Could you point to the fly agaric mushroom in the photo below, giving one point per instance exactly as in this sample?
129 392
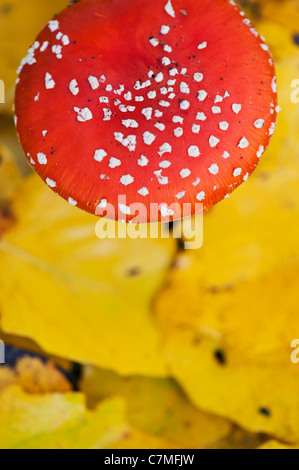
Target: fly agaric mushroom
172 101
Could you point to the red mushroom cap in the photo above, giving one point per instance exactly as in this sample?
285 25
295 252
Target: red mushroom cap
165 102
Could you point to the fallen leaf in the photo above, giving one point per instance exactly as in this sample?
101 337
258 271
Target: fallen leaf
25 346
229 311
58 421
76 296
275 445
7 377
10 176
34 376
157 408
20 22
239 439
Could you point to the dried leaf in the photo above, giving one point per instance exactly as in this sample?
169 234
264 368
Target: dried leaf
36 377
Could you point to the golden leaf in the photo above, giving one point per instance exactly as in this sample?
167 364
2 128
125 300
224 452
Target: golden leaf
157 408
58 421
275 445
7 377
10 177
20 22
79 297
230 310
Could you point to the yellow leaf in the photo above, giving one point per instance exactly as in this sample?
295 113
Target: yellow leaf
275 445
7 377
230 310
58 421
156 408
9 180
136 439
76 296
230 313
14 159
277 23
20 22
239 439
9 174
28 345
